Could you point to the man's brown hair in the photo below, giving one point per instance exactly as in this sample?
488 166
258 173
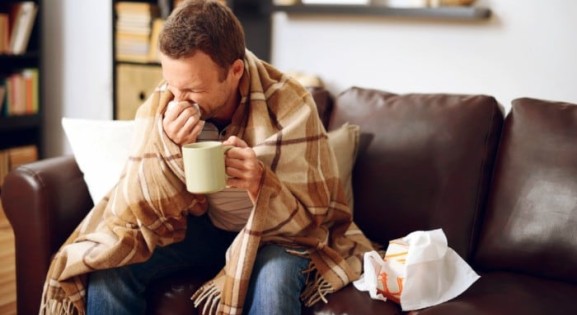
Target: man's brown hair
206 25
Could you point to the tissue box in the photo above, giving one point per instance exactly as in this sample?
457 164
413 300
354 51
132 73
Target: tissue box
417 271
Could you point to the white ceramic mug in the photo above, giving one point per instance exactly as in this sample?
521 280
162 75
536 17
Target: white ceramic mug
204 167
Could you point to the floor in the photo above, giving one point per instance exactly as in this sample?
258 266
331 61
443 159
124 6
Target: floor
7 268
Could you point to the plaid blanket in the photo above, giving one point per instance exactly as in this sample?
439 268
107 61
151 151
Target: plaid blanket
301 204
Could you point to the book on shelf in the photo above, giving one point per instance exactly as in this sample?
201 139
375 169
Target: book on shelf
4 33
21 93
135 7
30 78
132 28
23 16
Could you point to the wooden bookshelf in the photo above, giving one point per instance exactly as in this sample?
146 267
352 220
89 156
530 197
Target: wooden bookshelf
126 65
23 127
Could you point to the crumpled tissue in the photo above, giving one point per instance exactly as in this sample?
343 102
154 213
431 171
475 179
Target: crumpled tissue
418 271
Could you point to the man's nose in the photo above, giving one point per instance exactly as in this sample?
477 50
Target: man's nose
178 96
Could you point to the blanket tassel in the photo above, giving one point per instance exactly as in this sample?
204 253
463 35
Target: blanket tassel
209 295
55 307
315 290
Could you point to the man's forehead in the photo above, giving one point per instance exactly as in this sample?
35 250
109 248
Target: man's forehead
183 77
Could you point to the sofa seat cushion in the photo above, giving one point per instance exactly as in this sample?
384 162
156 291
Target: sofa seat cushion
351 301
498 293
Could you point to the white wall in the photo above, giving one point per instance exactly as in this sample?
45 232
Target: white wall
528 48
77 65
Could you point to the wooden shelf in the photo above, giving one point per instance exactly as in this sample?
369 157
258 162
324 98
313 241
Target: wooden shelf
11 62
138 63
19 122
27 55
18 131
23 130
447 12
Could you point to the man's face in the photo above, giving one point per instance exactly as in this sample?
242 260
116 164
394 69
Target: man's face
198 79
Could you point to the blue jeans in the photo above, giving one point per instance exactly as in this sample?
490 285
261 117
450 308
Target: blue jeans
275 285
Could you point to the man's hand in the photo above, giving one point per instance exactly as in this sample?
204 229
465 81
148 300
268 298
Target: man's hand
182 122
243 167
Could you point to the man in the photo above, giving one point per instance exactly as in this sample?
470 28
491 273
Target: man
283 220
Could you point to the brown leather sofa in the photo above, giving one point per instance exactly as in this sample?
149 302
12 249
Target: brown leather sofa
503 189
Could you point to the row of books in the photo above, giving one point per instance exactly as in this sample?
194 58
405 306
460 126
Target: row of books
16 27
13 157
134 28
19 93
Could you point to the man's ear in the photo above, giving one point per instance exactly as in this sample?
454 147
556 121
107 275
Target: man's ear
237 69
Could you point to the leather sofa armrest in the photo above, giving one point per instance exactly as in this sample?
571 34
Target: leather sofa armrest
44 201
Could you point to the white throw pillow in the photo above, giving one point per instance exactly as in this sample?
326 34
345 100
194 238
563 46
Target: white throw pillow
345 143
101 148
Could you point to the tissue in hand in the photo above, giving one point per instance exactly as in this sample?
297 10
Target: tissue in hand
170 106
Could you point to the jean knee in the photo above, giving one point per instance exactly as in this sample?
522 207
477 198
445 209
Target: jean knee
277 282
274 263
115 291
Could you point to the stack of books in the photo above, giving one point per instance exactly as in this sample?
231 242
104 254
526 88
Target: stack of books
16 27
19 93
133 30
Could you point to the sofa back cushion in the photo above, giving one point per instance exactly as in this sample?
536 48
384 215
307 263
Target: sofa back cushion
531 219
424 161
324 102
